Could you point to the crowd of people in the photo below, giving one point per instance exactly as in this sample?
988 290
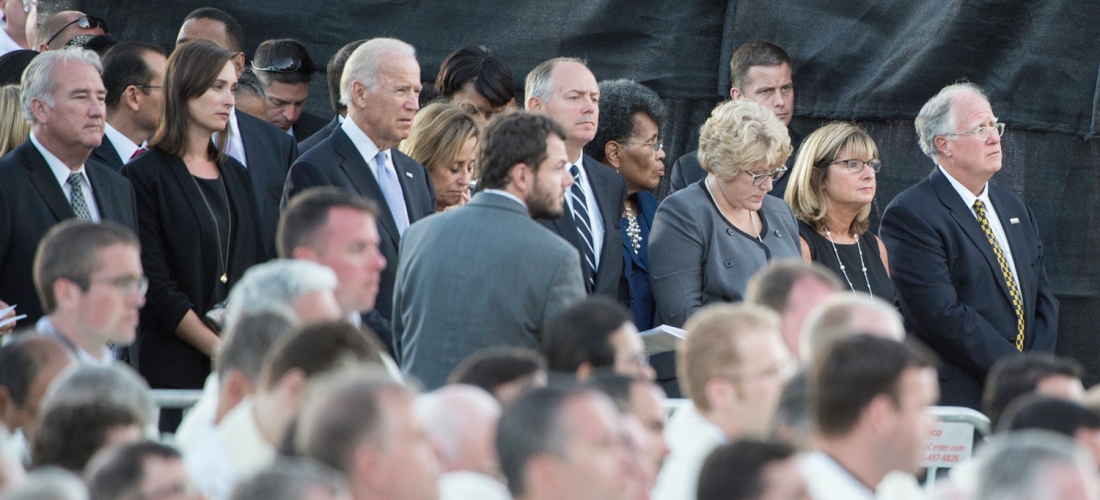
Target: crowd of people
463 289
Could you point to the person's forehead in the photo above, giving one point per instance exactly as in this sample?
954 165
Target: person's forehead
210 30
78 74
759 76
570 76
970 108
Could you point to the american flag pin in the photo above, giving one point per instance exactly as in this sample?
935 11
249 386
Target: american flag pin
410 174
1014 220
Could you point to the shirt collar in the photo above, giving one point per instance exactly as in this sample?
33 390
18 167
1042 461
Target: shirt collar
290 131
838 471
45 325
967 196
58 167
362 142
125 147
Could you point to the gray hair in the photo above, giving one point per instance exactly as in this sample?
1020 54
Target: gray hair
251 339
451 412
1015 465
290 479
840 317
274 286
366 62
49 483
117 383
539 84
937 116
39 81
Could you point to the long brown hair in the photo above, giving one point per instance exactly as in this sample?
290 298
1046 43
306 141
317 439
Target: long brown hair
192 70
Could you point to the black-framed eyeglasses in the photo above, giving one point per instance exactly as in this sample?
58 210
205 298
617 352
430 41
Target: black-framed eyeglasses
855 165
84 22
657 145
774 175
285 65
126 284
28 5
983 131
147 88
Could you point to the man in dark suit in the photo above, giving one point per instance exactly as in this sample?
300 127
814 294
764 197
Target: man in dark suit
965 255
760 71
566 90
361 155
334 71
133 73
285 69
46 180
264 150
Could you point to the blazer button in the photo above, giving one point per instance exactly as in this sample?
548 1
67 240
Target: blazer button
777 235
729 263
729 232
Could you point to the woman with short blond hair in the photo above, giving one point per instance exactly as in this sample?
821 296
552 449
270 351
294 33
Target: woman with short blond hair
831 190
444 139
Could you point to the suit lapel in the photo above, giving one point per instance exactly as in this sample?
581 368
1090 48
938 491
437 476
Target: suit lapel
107 154
407 176
103 192
257 169
45 182
359 173
1016 241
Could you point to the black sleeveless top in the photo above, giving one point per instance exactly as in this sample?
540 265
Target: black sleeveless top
821 251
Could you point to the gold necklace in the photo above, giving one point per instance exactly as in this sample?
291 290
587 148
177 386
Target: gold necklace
222 258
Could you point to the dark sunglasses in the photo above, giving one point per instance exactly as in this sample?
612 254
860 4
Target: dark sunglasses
84 22
285 65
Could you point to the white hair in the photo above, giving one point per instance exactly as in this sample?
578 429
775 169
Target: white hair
839 316
366 62
937 116
272 287
1016 466
39 80
116 382
450 412
539 84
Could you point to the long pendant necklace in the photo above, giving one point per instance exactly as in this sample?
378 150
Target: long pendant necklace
223 259
842 268
633 230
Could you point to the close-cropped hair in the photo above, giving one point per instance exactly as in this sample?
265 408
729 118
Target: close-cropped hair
439 132
772 285
755 53
617 387
620 102
70 250
71 432
335 71
116 382
249 83
21 360
854 371
317 348
124 65
539 82
192 70
39 81
474 65
937 116
14 127
835 318
806 189
492 367
1018 374
710 347
736 471
120 473
308 213
740 136
291 479
365 64
533 425
582 334
512 139
247 344
1018 465
1035 411
271 51
233 31
274 285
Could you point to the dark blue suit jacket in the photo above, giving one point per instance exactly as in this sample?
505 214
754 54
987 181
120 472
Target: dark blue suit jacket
336 162
315 139
951 289
636 267
269 153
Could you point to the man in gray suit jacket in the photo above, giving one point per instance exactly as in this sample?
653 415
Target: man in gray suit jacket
486 274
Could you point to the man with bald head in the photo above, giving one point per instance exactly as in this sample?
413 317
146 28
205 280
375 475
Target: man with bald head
965 255
462 423
70 27
566 90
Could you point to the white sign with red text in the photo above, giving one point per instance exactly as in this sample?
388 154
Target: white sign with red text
948 444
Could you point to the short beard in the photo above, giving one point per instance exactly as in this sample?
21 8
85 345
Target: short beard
543 206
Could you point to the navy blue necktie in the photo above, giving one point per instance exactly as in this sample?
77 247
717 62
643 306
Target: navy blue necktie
583 223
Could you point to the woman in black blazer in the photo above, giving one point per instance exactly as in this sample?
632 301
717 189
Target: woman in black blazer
196 218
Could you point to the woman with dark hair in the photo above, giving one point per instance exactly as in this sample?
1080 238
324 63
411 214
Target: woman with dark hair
196 219
472 74
444 139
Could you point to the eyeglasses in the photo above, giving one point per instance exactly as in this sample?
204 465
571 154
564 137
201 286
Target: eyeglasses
758 179
147 88
84 22
782 370
285 65
657 145
984 131
127 284
855 166
28 5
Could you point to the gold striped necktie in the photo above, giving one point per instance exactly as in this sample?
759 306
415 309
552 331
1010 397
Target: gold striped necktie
1006 271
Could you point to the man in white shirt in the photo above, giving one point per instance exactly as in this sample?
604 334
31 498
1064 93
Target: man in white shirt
869 398
732 365
462 423
133 73
90 279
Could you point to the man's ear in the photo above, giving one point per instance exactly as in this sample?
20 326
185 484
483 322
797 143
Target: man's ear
130 98
359 94
718 391
521 178
534 104
40 110
584 372
735 93
238 62
881 413
941 145
303 252
65 291
292 387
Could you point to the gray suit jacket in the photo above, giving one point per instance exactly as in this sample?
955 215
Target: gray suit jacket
482 275
696 257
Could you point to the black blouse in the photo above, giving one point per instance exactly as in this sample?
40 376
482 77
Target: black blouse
821 251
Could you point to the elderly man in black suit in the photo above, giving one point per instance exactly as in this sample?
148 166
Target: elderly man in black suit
46 180
133 73
566 90
263 149
965 255
380 85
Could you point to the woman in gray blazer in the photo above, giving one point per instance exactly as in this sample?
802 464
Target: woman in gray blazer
708 239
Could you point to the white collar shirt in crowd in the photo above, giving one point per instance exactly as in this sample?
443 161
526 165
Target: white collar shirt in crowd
125 147
106 357
61 172
469 485
968 198
366 147
595 221
691 438
199 420
7 44
235 145
827 480
207 462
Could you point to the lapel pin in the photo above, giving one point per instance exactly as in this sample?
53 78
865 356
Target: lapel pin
410 174
1014 220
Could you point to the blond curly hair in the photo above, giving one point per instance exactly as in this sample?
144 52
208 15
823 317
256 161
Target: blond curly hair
740 136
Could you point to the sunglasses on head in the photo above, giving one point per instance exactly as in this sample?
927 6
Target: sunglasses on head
285 65
84 22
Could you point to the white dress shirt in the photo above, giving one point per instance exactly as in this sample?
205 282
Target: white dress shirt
104 358
61 171
199 420
827 480
991 214
467 485
125 147
234 137
368 150
691 438
595 221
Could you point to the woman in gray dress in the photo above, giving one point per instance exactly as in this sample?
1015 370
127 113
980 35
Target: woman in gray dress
708 239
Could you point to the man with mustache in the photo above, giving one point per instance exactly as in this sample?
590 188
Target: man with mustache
564 89
487 275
